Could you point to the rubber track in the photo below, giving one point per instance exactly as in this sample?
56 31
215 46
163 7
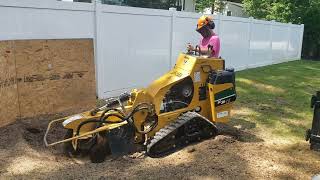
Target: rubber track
181 120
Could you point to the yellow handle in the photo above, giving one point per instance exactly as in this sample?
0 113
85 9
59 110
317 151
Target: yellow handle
103 128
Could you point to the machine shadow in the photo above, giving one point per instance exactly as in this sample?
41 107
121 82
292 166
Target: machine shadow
239 129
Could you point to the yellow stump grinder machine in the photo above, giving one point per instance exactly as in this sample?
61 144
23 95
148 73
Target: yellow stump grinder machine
181 107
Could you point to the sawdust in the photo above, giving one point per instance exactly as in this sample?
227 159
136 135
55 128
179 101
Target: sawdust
234 154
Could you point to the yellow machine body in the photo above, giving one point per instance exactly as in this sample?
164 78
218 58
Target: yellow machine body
197 68
205 96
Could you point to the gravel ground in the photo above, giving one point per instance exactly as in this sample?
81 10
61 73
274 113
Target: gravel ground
238 153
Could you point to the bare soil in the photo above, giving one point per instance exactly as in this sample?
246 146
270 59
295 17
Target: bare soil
239 152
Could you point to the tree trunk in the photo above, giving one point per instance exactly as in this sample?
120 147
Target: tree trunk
212 7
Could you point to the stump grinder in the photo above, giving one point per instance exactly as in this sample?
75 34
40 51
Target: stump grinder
181 107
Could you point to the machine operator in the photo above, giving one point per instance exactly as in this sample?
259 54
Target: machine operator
209 42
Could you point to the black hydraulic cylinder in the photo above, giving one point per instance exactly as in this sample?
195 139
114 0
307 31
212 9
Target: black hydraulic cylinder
313 134
122 98
113 102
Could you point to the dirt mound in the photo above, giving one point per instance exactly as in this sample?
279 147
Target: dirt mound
236 153
33 131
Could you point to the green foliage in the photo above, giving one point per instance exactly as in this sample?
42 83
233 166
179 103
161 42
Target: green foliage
202 4
155 4
279 10
295 11
217 5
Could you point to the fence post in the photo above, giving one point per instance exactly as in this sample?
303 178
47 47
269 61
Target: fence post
97 45
220 31
172 35
219 24
270 37
288 40
301 41
249 39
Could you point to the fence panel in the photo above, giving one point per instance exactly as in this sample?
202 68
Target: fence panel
279 42
133 46
234 39
40 20
135 49
183 32
260 44
294 41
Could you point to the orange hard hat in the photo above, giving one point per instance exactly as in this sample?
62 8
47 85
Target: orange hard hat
204 20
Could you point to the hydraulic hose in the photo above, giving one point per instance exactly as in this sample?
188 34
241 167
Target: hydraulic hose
112 102
99 121
85 122
137 109
129 118
107 110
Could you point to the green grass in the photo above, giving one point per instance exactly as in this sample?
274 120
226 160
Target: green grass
277 97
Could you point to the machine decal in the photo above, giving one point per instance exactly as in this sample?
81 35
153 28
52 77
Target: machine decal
185 60
176 73
224 93
72 118
224 97
41 77
225 100
222 114
197 76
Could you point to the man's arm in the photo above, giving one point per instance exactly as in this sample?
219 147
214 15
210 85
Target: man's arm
207 51
213 49
203 51
215 42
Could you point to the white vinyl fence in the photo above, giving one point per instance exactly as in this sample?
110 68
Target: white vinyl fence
133 46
